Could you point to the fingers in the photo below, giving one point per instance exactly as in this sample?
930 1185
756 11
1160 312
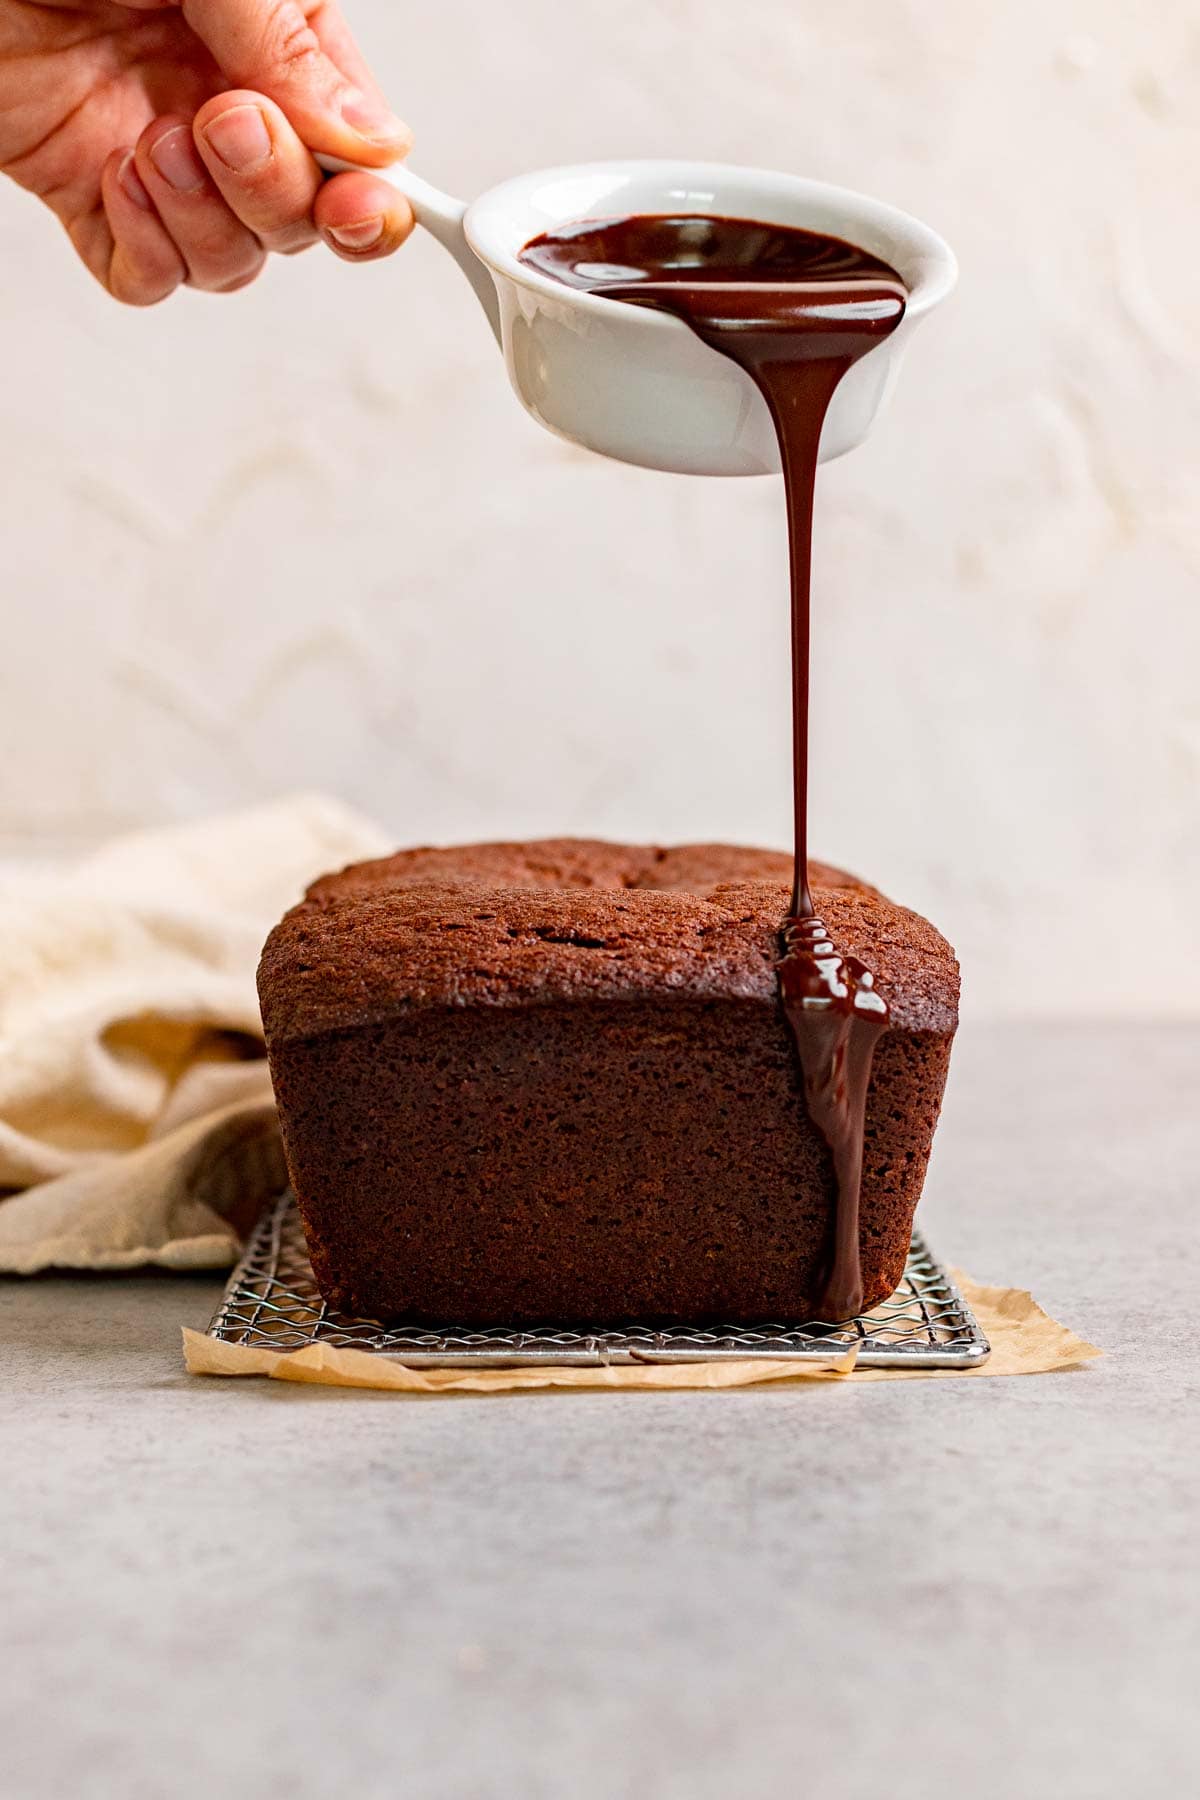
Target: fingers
285 49
220 253
143 265
361 217
270 181
203 204
262 170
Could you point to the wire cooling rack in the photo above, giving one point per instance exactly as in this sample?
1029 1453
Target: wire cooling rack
272 1303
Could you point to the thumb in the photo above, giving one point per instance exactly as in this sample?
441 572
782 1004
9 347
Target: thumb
285 49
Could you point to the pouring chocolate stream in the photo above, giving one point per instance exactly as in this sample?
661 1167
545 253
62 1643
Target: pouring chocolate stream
795 309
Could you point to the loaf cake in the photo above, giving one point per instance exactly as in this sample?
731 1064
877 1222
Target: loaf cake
527 1083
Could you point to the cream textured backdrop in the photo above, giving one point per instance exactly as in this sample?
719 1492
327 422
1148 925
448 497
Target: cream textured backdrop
304 537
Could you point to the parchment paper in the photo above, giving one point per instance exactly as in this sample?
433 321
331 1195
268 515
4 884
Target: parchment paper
1024 1340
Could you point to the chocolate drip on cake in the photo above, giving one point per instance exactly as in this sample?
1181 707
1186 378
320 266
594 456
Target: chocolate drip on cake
796 310
835 1017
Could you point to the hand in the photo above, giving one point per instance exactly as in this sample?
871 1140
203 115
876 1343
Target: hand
173 138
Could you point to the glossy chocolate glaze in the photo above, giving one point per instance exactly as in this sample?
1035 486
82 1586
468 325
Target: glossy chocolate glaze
796 310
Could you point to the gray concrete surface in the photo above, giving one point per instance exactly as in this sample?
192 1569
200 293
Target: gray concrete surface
921 1589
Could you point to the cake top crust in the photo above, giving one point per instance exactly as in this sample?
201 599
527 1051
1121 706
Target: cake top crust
565 920
586 863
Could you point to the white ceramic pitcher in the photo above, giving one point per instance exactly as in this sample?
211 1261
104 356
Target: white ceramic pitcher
638 384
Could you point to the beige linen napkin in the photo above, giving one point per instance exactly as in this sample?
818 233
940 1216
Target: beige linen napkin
136 1119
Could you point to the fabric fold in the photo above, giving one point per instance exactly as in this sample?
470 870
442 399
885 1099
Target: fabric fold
136 1119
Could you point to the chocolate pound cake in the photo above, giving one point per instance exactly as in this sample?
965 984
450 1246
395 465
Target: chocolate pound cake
523 1083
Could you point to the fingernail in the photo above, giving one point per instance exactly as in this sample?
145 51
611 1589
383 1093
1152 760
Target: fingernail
372 119
240 138
133 184
359 236
174 156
